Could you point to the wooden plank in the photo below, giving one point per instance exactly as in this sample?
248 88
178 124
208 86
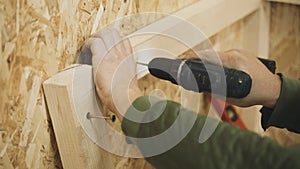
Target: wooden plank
256 31
75 147
207 16
295 2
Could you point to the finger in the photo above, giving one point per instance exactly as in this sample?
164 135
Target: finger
107 36
228 60
93 49
124 42
85 55
98 50
101 32
127 47
238 59
97 47
119 47
112 41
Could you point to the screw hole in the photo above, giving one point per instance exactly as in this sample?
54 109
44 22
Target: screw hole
88 115
113 118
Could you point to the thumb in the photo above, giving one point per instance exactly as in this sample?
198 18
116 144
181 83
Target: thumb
92 52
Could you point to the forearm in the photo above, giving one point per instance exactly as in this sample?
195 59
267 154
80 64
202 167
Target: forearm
272 91
228 147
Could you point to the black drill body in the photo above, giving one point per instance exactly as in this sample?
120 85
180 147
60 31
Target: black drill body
201 76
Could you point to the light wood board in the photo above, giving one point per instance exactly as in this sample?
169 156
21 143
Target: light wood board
196 24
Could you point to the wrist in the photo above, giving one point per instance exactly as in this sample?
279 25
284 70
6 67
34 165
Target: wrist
274 90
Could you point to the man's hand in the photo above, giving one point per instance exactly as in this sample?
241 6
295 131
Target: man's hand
266 86
114 70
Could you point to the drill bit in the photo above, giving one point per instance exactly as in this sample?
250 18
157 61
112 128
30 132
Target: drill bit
142 64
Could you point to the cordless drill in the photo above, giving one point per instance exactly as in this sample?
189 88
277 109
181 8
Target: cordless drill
202 76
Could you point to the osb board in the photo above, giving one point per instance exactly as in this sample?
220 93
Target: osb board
39 38
285 38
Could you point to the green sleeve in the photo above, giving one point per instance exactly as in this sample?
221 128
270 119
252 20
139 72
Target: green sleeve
286 113
228 147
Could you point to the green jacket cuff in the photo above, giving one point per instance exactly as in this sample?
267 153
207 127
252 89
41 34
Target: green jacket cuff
286 112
